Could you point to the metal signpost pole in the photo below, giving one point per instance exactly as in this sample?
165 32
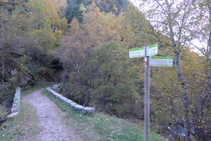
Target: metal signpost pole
146 97
154 61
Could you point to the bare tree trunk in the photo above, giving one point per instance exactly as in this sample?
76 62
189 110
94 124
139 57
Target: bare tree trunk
79 99
2 55
53 26
3 63
89 84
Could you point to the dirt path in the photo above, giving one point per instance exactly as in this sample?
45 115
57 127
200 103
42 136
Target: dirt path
51 120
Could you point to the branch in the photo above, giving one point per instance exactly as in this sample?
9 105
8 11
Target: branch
198 48
162 7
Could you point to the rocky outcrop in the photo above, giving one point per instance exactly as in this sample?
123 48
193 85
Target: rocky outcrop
71 103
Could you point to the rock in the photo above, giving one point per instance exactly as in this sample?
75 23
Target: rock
25 79
12 115
15 71
56 86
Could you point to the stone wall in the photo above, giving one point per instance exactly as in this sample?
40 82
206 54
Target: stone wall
16 104
71 103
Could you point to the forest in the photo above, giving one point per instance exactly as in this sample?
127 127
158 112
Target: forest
84 45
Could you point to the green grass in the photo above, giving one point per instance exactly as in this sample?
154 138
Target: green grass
99 126
16 127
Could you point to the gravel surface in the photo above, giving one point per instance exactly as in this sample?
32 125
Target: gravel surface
51 120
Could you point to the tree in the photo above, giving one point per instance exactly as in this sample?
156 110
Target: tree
40 20
114 89
7 30
176 20
73 10
71 53
50 12
77 46
200 31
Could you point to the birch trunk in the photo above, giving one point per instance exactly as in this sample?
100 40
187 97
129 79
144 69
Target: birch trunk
178 69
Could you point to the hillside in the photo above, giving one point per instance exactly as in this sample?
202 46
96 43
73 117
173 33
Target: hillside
84 45
76 8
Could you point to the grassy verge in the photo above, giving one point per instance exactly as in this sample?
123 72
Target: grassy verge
25 123
18 126
102 127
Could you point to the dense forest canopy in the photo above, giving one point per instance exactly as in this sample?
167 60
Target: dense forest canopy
84 44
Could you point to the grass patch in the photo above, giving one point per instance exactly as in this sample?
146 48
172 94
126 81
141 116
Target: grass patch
27 91
99 126
18 126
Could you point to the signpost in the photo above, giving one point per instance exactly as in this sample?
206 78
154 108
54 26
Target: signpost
136 52
161 61
149 61
140 52
146 96
152 50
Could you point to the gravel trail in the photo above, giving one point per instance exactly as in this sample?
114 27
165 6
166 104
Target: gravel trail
50 120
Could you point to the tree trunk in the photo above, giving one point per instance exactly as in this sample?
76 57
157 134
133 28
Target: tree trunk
178 69
180 76
2 55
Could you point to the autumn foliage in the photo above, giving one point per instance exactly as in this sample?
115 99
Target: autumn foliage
85 45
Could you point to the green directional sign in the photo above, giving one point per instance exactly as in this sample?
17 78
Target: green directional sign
140 52
152 50
149 61
161 61
136 52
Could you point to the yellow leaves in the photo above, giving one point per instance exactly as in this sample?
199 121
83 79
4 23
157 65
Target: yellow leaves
58 34
198 126
82 8
61 24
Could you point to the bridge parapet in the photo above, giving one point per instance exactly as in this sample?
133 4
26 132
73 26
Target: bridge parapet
71 103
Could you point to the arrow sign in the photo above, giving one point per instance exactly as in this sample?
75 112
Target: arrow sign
152 50
136 52
161 61
139 52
